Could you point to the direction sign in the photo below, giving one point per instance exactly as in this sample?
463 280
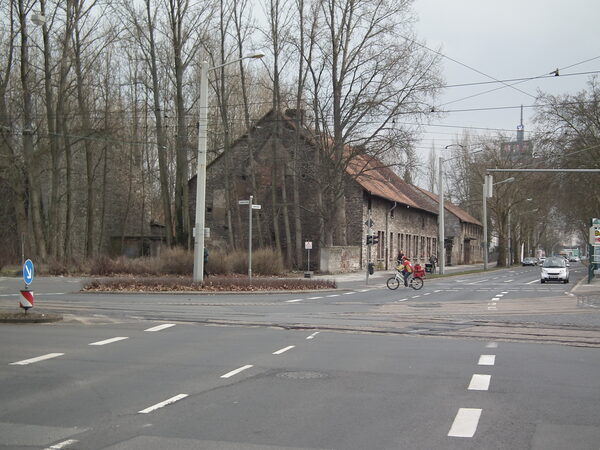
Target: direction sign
256 206
28 272
243 202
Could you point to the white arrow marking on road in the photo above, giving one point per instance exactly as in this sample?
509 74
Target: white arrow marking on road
465 422
283 350
164 326
236 371
109 341
161 404
480 382
487 360
34 360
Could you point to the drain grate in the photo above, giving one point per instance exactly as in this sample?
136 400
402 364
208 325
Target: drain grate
301 375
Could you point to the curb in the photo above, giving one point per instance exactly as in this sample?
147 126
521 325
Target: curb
13 317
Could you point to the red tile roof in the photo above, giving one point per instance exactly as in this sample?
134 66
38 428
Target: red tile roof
462 215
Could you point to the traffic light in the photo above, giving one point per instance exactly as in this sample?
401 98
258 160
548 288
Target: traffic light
372 240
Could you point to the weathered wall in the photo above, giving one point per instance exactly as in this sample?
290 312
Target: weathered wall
340 259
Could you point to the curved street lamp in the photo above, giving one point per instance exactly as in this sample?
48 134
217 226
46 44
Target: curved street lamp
201 169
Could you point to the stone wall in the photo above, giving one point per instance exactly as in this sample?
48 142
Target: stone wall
340 259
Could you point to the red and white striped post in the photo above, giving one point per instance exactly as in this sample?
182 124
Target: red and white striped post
26 299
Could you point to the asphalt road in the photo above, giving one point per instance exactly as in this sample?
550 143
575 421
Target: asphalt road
447 367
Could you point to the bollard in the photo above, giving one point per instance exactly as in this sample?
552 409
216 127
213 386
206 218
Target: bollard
26 300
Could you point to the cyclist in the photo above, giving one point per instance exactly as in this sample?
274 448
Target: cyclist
406 268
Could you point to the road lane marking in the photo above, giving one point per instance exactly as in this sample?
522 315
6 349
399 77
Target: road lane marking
465 422
508 281
236 371
437 290
403 299
294 301
492 345
537 280
62 444
349 293
428 293
495 299
487 360
314 298
312 336
161 404
164 326
499 295
480 281
109 341
504 292
492 308
480 382
283 350
415 296
364 290
333 295
37 359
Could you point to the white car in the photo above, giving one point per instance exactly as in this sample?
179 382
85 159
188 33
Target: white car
555 269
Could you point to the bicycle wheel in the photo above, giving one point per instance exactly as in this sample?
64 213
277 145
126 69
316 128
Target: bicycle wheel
393 283
416 283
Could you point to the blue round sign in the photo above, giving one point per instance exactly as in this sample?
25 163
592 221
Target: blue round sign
28 272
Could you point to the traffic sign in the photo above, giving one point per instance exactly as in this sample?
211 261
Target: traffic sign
256 206
595 234
243 202
28 272
595 221
307 245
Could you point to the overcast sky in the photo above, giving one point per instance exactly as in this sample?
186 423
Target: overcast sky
506 39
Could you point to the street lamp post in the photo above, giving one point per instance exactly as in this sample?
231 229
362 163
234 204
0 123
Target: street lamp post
201 169
441 224
487 193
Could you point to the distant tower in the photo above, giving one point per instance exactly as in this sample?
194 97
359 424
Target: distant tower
520 130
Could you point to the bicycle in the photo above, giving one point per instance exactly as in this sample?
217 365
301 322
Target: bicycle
414 282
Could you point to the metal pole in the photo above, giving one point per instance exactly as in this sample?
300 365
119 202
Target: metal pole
441 236
201 177
485 224
368 246
509 243
250 238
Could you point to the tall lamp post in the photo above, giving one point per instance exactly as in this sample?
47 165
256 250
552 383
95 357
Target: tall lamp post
201 174
487 193
441 231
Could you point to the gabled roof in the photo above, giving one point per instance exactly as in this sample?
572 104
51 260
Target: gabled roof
462 215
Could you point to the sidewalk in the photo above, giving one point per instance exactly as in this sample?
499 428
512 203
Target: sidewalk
380 276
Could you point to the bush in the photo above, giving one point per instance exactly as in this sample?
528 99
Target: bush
266 261
176 261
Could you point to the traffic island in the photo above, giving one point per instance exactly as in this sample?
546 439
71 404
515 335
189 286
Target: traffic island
29 317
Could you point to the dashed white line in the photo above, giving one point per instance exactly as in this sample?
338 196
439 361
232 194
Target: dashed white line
492 345
109 341
537 280
480 281
465 422
283 350
428 293
487 360
415 296
504 292
480 382
403 299
164 326
161 404
294 301
37 359
508 281
314 298
349 293
62 444
333 295
495 299
312 336
437 290
492 308
236 371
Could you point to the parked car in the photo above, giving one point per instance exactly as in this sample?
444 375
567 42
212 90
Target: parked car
541 260
555 268
574 259
530 261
